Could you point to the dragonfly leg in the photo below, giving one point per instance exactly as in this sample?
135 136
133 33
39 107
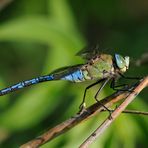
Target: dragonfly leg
115 87
96 96
82 105
134 78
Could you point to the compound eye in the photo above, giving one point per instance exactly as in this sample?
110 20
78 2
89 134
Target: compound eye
120 61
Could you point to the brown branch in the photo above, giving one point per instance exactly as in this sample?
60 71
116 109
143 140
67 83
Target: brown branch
143 60
78 118
4 3
135 112
115 114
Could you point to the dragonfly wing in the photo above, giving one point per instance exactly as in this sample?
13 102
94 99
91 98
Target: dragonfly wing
88 52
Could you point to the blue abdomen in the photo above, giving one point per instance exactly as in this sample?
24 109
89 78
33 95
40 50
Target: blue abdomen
25 84
76 76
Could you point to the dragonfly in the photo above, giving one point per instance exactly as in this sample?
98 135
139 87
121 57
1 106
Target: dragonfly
99 66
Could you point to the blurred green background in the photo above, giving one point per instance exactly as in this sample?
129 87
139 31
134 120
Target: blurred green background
38 36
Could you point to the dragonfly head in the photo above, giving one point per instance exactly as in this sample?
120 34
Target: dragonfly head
122 62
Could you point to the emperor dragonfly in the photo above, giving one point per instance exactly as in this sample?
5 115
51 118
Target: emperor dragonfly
101 67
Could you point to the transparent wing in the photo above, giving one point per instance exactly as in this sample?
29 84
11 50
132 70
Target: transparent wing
88 52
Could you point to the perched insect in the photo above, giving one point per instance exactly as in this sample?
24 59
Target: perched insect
101 67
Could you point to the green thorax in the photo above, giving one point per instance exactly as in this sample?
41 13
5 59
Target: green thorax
99 67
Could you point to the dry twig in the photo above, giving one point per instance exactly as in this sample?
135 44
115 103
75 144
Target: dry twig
143 60
115 114
135 112
4 3
85 115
